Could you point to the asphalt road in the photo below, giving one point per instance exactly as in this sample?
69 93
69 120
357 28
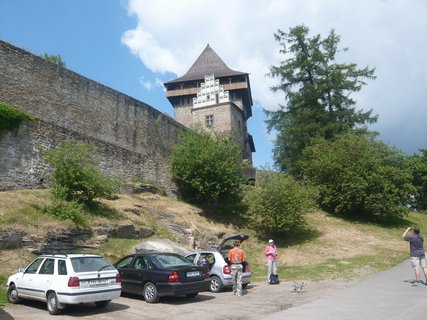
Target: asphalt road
258 299
385 295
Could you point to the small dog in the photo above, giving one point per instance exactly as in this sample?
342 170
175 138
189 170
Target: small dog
297 286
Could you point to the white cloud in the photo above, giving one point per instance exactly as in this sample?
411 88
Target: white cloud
149 85
142 43
388 35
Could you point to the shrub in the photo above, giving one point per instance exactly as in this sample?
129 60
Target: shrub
75 175
64 210
358 176
207 168
54 58
278 204
71 211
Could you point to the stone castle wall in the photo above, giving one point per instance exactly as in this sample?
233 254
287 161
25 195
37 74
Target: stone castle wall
133 139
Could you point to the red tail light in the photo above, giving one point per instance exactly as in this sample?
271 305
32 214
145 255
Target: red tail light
226 269
74 282
118 279
173 277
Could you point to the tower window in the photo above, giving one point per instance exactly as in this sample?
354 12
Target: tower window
209 120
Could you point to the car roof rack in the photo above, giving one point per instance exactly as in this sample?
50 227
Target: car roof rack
54 254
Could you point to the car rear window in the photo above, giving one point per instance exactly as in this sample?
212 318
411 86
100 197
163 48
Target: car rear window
172 260
88 264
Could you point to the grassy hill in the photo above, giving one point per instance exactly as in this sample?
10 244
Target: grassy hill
333 248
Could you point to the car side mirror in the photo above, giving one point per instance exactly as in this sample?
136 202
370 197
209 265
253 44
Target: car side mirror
21 270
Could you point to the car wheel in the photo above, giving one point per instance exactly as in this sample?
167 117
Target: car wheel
244 285
12 294
216 284
52 303
192 295
150 293
102 304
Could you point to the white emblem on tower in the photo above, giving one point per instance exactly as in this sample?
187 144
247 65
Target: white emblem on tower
210 93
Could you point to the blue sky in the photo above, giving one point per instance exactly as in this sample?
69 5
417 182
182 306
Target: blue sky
133 46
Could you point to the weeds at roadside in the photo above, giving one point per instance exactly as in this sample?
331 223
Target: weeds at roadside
3 293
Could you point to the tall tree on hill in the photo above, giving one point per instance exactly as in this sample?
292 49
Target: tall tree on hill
318 95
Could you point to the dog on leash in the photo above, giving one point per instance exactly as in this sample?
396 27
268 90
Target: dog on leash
297 286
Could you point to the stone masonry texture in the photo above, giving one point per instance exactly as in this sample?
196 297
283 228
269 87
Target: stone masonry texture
134 140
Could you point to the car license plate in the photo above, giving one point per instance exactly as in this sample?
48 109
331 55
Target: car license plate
193 274
97 283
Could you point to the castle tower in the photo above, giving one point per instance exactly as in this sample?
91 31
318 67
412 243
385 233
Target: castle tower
216 97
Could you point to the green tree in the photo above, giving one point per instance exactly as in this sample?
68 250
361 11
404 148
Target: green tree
317 93
358 176
278 204
418 166
207 168
75 175
55 58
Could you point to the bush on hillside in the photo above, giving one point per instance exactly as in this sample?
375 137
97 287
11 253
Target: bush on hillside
358 176
71 211
278 204
207 168
75 175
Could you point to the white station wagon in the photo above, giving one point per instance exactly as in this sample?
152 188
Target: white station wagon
59 280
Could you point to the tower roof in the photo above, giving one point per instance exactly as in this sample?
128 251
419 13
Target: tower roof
207 63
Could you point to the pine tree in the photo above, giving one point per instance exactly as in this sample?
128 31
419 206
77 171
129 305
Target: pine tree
318 95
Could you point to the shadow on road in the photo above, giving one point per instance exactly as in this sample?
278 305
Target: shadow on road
4 315
77 310
172 300
412 281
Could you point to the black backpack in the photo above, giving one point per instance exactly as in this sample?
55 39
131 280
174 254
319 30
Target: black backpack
274 279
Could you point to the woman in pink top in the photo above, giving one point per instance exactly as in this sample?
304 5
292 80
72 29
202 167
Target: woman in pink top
271 255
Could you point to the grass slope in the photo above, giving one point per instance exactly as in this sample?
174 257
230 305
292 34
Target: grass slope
333 248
